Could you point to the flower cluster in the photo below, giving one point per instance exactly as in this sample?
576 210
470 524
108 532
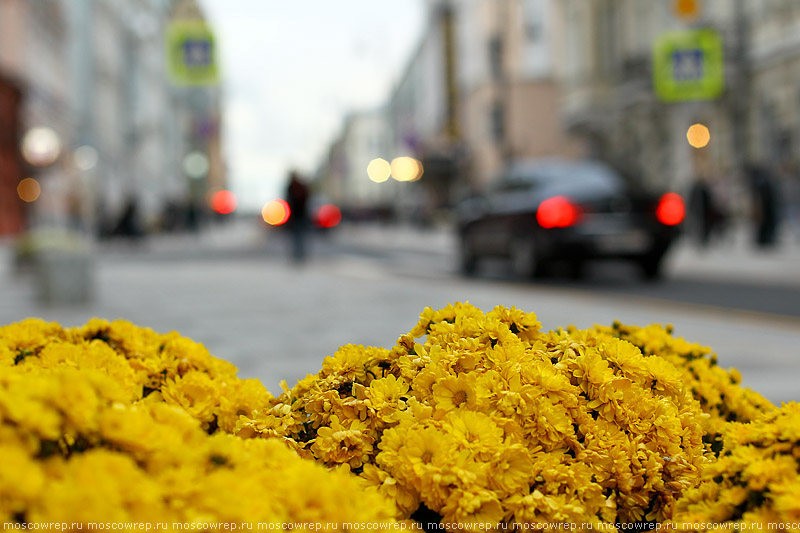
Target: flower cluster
718 390
112 423
484 419
755 484
146 364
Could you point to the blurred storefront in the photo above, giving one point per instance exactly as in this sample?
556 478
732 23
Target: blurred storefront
95 74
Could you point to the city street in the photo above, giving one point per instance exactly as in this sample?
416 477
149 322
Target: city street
234 290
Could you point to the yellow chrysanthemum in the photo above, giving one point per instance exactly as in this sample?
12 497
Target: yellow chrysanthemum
343 443
455 393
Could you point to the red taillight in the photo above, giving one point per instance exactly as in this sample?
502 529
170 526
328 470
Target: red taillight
557 212
671 210
328 216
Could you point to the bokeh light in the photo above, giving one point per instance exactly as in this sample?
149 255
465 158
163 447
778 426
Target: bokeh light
41 146
276 212
686 9
698 135
86 157
406 169
223 202
328 216
379 170
29 190
671 210
195 165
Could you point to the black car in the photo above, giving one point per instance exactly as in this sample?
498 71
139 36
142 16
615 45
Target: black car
542 212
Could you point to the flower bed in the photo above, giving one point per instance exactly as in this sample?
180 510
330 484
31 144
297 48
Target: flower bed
113 423
482 421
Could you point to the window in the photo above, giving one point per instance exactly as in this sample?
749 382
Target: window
498 122
496 57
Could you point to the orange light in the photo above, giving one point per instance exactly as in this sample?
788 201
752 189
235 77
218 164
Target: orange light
223 202
687 9
671 209
276 212
698 135
328 216
557 212
29 190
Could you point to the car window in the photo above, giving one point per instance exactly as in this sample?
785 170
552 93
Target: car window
584 176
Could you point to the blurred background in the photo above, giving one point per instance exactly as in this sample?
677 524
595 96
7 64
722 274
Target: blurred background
146 150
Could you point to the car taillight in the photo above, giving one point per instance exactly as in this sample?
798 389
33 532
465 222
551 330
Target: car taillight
557 212
671 209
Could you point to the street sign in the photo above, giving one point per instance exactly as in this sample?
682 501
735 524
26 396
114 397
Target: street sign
688 65
191 53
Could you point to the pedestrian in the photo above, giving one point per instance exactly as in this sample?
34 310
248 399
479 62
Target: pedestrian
128 225
765 205
297 194
701 211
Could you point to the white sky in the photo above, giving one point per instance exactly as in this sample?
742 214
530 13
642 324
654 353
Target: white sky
292 69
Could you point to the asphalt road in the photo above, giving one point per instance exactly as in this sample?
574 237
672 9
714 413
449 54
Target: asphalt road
680 284
276 320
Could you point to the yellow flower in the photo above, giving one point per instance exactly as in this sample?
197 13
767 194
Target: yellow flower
473 510
195 392
474 431
407 500
349 362
455 393
511 470
343 443
238 398
22 479
524 325
386 397
424 447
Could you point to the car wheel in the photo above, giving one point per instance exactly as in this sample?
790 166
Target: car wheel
468 259
651 266
525 261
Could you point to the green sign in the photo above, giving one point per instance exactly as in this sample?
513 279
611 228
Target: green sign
688 65
191 53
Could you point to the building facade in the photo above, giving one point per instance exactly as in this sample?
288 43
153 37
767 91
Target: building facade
610 100
95 73
480 89
510 99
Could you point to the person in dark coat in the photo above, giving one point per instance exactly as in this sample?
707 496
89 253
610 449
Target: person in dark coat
700 211
297 196
765 205
128 225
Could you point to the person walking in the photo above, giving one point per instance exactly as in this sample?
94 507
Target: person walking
297 196
765 205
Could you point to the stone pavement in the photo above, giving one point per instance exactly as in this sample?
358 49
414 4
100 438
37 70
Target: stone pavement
277 321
